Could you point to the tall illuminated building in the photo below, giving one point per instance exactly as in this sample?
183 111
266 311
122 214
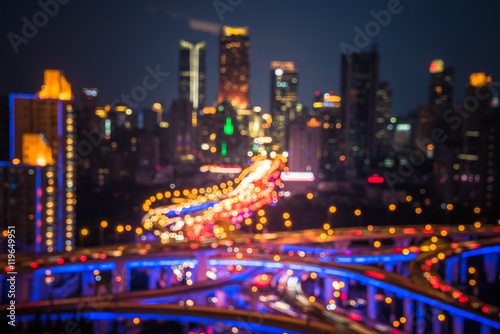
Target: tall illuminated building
444 154
326 109
284 97
441 87
440 98
234 69
184 119
383 124
47 120
192 73
478 160
88 119
359 82
24 201
230 146
304 146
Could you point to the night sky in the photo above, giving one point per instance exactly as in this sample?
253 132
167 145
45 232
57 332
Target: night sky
108 44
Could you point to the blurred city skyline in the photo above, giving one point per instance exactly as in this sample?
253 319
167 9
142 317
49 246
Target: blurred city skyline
108 46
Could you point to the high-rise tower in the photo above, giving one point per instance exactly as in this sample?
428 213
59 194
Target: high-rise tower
234 70
360 72
284 96
192 73
40 124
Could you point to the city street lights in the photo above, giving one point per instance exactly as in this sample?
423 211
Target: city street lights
418 211
138 231
358 213
102 226
288 222
392 208
83 233
261 225
331 210
447 210
119 230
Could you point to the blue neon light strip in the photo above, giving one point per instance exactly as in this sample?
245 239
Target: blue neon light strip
191 208
375 258
38 216
72 268
244 323
481 251
310 250
367 280
161 263
78 268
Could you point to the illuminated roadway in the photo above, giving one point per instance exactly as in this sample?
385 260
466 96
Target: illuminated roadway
188 233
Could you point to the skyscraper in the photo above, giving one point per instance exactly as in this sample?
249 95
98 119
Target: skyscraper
359 82
441 88
304 148
234 69
88 119
284 96
440 98
383 126
25 204
478 157
326 109
192 73
182 134
47 120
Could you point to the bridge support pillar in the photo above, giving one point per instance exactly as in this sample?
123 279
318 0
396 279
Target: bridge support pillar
420 318
485 329
154 277
327 289
221 298
169 274
463 270
120 279
491 267
408 309
389 266
36 286
317 288
345 289
87 282
403 242
451 270
23 282
100 326
436 324
458 325
371 290
201 267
